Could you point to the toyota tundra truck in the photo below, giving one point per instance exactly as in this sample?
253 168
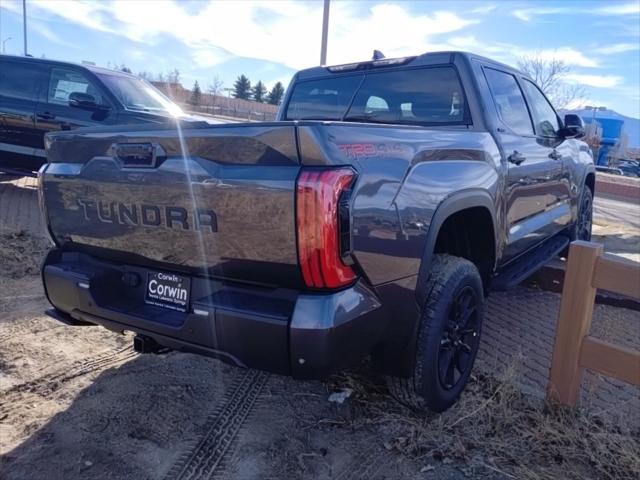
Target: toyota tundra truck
371 219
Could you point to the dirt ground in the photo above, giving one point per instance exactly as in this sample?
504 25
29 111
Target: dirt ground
78 402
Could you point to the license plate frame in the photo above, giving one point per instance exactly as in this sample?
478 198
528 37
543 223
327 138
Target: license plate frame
168 290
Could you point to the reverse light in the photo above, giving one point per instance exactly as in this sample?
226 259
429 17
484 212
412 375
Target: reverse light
318 223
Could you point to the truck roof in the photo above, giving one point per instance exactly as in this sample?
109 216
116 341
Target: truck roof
429 58
87 66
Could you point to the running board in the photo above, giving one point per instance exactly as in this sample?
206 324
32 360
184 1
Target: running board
514 273
17 172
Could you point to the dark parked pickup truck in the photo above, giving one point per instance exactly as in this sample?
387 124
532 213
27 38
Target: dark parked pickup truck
40 95
371 219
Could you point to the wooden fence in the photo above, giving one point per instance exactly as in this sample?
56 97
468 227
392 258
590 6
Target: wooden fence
587 270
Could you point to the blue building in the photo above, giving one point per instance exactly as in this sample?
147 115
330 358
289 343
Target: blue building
611 133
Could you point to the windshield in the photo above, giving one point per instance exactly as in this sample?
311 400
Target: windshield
136 94
428 96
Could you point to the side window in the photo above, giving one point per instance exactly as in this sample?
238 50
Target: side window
376 104
20 80
509 101
545 118
65 81
406 110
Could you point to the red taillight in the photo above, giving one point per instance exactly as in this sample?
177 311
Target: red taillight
317 196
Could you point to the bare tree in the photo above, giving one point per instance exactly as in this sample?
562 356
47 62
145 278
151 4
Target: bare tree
173 76
550 75
215 89
593 137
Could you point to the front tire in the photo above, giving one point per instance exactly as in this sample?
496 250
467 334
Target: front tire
448 336
581 229
584 222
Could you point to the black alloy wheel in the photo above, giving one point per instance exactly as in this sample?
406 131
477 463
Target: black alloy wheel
460 338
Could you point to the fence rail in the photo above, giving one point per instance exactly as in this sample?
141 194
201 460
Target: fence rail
587 270
235 111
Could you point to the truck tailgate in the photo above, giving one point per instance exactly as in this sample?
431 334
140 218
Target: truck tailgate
215 199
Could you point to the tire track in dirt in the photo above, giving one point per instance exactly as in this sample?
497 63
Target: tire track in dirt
221 428
363 467
48 384
25 331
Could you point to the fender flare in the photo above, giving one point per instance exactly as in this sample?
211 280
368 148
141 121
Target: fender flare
590 169
455 203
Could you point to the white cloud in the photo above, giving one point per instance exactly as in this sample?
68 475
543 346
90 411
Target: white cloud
46 32
255 29
568 55
208 57
484 9
616 48
528 14
577 104
613 8
472 44
598 81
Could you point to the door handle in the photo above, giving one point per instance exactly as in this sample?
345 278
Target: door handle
516 158
46 116
555 155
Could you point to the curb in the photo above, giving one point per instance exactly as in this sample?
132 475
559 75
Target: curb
625 187
551 279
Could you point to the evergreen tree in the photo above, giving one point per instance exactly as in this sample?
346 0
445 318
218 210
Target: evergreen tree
196 94
259 91
275 95
242 88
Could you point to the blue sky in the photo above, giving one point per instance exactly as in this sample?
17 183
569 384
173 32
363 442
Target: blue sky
269 40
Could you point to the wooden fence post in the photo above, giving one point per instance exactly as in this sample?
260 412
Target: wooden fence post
574 322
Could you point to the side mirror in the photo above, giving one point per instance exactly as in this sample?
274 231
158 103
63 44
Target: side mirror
573 126
84 101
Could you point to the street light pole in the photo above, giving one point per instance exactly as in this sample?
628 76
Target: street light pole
24 24
325 33
3 42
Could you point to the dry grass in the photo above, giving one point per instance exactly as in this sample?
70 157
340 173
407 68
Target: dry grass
21 254
496 429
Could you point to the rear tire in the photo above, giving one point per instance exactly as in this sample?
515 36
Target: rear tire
448 336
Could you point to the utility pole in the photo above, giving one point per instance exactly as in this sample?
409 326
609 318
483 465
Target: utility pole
325 33
24 24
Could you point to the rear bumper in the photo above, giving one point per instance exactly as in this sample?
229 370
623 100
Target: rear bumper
285 331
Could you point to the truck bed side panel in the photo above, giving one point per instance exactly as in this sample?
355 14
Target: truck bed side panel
404 174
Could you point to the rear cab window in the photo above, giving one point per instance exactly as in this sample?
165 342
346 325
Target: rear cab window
428 96
509 101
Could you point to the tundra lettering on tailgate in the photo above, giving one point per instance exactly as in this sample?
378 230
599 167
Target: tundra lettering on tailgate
200 219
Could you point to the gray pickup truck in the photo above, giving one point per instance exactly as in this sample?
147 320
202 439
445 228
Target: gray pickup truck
371 219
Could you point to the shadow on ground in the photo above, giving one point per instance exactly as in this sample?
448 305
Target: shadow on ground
183 416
